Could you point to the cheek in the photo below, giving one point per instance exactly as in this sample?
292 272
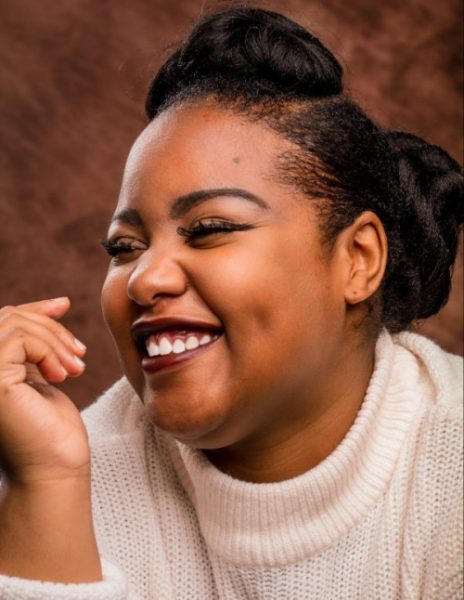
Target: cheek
235 285
265 293
115 303
264 283
116 308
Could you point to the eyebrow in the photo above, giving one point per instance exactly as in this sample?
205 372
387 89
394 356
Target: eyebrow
130 216
182 204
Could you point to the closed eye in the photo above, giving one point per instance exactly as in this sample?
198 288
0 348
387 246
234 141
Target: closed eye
213 226
118 247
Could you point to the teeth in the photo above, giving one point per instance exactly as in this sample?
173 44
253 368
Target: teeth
153 349
165 346
178 347
192 342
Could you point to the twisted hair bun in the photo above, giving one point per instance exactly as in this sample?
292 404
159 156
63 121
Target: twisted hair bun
248 45
432 209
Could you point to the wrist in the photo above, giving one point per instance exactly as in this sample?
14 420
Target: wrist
46 531
31 479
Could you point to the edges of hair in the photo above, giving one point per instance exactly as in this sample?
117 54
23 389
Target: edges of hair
249 52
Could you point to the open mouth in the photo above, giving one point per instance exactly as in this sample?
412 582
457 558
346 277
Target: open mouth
173 345
165 343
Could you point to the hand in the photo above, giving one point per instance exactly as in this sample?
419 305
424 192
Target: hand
42 436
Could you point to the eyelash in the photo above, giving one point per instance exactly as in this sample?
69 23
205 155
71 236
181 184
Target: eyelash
200 229
116 248
213 226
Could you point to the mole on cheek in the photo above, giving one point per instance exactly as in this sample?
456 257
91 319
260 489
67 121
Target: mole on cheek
236 159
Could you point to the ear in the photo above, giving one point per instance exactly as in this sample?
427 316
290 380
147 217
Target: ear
365 249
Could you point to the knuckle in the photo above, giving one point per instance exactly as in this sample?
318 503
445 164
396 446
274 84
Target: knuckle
14 331
6 312
18 332
16 327
9 317
9 376
5 309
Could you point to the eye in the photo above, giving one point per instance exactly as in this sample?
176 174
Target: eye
204 228
122 247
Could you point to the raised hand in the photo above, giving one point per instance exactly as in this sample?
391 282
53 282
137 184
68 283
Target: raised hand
46 523
42 436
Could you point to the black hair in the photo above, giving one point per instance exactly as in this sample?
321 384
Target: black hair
269 68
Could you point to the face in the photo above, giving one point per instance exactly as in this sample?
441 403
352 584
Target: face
272 303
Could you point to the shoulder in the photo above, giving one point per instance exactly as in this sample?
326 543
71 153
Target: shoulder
430 473
437 434
434 382
441 371
116 412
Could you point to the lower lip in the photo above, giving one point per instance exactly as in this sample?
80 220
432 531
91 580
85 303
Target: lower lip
159 363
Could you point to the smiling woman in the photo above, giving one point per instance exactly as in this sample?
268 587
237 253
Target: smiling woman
278 431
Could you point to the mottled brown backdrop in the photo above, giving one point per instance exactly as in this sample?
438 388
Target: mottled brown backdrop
73 76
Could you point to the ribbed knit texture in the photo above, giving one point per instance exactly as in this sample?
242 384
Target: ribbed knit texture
380 518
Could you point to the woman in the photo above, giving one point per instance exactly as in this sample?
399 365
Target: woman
278 432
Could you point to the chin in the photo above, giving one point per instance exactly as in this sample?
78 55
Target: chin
192 421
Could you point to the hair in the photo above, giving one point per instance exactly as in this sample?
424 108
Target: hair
270 69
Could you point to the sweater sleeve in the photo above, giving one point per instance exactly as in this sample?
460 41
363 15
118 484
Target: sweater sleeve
114 586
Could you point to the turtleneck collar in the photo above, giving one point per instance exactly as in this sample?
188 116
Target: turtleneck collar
274 524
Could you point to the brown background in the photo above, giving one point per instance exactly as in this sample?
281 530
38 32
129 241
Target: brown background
73 76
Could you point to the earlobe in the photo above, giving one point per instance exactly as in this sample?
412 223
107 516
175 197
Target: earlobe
366 246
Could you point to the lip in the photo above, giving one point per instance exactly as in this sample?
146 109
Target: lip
160 363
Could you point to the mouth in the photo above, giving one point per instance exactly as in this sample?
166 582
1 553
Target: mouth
174 345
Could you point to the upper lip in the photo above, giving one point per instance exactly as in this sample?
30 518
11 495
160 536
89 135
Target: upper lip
141 329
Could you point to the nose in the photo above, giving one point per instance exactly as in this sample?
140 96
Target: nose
156 275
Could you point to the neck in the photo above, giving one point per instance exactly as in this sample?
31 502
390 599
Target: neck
297 441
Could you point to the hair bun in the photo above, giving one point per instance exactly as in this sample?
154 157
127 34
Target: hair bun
241 44
432 187
429 175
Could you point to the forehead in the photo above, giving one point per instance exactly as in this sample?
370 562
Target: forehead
201 146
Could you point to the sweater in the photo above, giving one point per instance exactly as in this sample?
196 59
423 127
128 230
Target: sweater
379 518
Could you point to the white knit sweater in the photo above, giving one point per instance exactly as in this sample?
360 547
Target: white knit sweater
378 519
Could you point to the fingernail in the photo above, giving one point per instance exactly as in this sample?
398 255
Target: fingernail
79 344
60 300
79 362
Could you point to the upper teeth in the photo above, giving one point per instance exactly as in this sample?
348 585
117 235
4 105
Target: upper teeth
166 347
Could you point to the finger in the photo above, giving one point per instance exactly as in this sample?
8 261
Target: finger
20 326
53 307
19 349
64 334
33 374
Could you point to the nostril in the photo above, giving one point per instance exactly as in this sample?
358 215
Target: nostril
154 278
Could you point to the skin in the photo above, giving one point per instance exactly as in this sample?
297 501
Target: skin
46 524
279 390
